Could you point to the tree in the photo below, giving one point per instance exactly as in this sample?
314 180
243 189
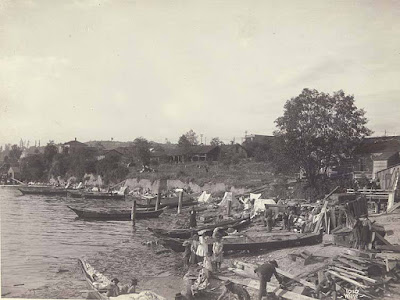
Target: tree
33 167
15 153
49 152
184 142
216 142
142 150
320 130
192 137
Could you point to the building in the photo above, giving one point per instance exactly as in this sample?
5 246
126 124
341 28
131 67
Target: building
192 154
258 138
72 146
375 154
14 172
235 149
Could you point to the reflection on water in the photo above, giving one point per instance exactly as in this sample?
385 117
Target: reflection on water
41 240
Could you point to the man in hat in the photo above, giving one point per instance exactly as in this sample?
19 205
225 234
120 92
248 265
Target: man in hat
265 272
192 219
113 288
235 289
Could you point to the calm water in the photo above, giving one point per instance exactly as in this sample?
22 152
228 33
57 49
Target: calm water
41 240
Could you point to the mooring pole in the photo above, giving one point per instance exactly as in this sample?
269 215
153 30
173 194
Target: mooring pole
158 199
133 213
229 205
180 198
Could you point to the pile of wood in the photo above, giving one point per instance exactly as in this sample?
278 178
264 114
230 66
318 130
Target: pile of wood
359 274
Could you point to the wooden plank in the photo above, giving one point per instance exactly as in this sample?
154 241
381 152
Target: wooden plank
394 248
353 282
323 210
354 270
393 208
355 258
355 275
382 239
271 288
248 271
351 264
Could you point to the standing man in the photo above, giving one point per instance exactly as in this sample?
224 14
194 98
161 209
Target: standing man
193 221
265 272
268 218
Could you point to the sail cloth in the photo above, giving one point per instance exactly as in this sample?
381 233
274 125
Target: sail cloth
259 204
228 196
122 190
204 197
254 196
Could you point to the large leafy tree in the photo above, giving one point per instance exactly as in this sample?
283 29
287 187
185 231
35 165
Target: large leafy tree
142 150
320 130
15 153
216 142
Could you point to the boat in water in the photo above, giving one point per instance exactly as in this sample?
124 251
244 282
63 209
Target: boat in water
170 202
43 190
96 195
115 214
270 241
187 233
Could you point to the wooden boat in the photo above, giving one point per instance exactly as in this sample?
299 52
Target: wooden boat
96 195
187 233
89 271
169 202
115 215
43 190
245 243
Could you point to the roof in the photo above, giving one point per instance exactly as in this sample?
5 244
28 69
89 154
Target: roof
15 169
379 145
193 150
385 156
75 144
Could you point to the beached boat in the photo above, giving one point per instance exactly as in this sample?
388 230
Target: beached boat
114 214
96 195
98 284
170 202
245 243
94 285
43 190
187 233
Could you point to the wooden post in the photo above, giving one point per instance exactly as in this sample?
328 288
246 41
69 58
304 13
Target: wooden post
180 198
229 207
133 212
158 199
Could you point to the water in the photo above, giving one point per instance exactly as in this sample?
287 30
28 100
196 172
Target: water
41 240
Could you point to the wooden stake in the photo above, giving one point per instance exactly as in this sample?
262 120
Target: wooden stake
133 213
158 199
180 198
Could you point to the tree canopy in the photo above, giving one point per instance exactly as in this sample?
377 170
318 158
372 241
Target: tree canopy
216 141
142 150
320 130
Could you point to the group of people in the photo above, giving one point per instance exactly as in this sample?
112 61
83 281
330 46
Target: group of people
113 289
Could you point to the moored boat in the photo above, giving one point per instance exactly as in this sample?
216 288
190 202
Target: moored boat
186 233
96 195
256 243
114 214
170 202
43 190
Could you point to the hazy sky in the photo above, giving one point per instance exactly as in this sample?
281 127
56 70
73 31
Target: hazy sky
122 69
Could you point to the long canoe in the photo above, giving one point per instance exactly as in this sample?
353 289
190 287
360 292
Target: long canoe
187 233
244 243
114 215
96 195
165 202
43 190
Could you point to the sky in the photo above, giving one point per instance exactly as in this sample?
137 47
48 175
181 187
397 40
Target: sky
98 69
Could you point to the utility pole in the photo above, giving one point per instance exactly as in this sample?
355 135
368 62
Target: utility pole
201 138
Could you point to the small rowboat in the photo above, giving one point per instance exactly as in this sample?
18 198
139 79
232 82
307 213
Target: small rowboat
96 195
187 233
245 243
114 215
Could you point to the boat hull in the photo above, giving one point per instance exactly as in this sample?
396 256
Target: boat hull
115 215
94 195
43 191
233 245
187 233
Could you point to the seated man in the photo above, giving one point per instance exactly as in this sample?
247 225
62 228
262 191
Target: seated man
113 288
129 288
235 289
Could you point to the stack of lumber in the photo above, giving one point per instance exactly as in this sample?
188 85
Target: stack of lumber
365 274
